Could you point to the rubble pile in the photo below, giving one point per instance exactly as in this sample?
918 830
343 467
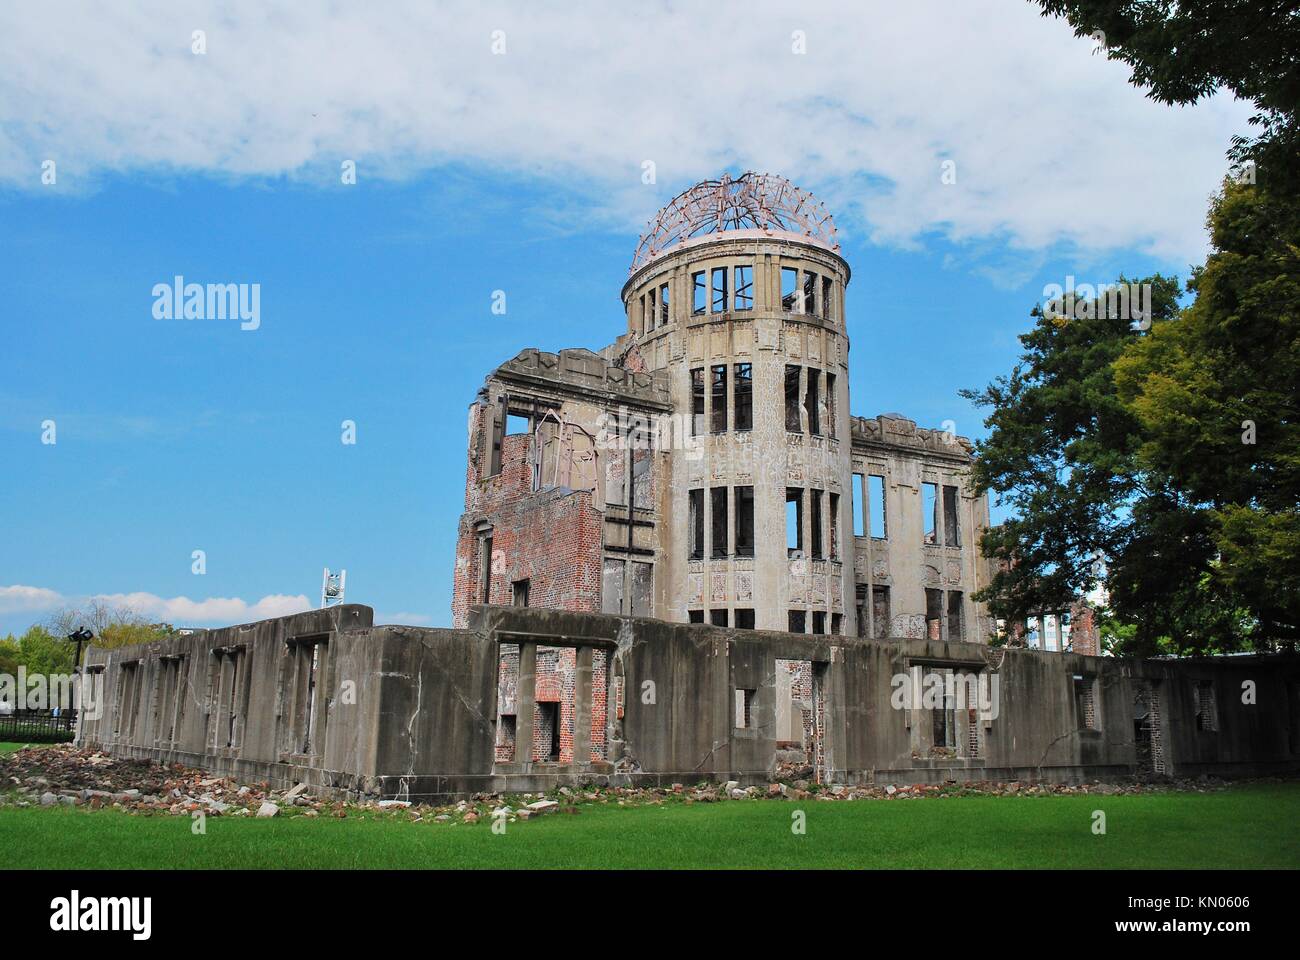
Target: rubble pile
70 776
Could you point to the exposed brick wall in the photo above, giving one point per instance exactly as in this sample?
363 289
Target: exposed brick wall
1085 637
555 683
551 538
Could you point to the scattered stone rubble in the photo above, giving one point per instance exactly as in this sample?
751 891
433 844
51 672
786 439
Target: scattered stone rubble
68 776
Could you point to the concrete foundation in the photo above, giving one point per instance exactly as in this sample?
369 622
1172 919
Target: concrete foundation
329 699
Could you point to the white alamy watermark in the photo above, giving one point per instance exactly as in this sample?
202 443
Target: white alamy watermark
1086 301
75 913
946 689
56 691
179 300
626 429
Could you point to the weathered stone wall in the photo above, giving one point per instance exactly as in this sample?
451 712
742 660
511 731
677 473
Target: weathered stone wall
415 712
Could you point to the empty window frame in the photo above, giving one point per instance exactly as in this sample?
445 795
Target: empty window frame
175 716
128 700
744 521
643 582
613 573
718 618
650 310
808 302
695 616
697 402
798 621
794 521
818 540
745 709
718 521
718 288
494 426
743 277
828 298
517 424
485 565
310 712
955 615
810 403
876 506
819 622
696 520
743 395
699 294
951 536
790 290
830 405
833 526
232 696
933 614
664 313
745 618
880 612
930 511
793 422
859 505
519 593
837 624
718 394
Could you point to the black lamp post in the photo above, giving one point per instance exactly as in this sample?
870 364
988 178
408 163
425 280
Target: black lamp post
80 636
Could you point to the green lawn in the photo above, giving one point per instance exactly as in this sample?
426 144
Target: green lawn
10 747
1252 826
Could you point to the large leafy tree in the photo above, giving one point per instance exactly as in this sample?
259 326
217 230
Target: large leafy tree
1216 394
1183 472
1061 453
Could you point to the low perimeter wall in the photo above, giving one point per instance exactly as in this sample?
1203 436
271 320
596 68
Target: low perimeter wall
528 699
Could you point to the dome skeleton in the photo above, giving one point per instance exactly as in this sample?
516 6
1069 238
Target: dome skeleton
751 201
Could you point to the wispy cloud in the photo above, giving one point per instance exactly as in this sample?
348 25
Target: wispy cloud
178 610
21 599
1047 137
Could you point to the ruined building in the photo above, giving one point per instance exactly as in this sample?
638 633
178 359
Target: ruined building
705 467
682 559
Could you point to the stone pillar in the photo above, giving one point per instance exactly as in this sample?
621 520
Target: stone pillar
526 703
582 707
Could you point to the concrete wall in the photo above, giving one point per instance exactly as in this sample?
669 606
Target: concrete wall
412 712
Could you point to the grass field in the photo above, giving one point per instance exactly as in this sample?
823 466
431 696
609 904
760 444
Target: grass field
1246 827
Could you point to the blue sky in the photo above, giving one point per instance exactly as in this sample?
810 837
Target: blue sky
175 435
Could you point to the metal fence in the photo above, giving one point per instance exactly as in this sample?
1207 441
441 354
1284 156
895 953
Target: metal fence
43 726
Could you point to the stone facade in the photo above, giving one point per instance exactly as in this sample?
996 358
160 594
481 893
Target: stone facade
707 464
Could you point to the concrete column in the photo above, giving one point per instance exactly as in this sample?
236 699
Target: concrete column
582 707
526 703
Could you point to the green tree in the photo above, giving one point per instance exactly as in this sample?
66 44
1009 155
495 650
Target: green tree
1061 454
1216 393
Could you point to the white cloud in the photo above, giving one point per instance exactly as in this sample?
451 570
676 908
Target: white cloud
177 610
20 599
221 610
1051 143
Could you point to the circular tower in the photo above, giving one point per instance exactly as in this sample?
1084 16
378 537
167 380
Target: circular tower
737 291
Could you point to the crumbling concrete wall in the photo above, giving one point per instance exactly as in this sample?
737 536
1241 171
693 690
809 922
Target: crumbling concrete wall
416 712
